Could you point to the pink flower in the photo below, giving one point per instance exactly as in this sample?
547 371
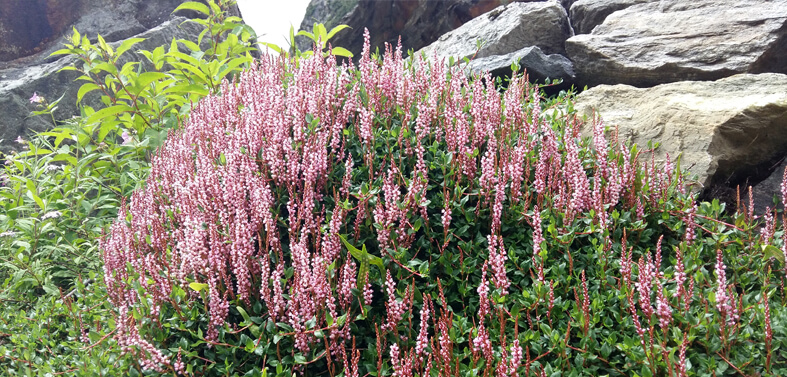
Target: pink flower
126 137
483 294
497 259
663 309
36 98
423 334
481 343
516 358
725 301
394 308
367 290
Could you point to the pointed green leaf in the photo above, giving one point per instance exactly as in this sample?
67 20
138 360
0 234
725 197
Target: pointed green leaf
341 51
85 89
243 314
335 30
771 251
193 5
127 44
198 286
107 112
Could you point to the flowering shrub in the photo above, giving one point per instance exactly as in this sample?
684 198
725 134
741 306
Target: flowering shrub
398 218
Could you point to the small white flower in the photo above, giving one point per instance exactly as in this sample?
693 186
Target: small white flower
51 215
8 234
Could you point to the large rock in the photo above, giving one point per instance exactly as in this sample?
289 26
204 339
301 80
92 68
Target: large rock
17 84
587 14
539 66
418 22
675 40
724 131
507 29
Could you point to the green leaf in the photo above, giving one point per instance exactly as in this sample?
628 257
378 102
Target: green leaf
242 312
107 112
273 47
146 78
85 89
335 30
306 34
363 256
770 251
75 38
193 5
341 51
38 200
198 286
214 7
105 46
233 66
127 44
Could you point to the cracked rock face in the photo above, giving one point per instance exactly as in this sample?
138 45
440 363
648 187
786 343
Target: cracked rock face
720 129
673 40
587 14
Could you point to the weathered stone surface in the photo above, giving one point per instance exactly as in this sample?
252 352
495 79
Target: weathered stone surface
675 40
507 29
17 84
587 14
539 66
723 130
418 22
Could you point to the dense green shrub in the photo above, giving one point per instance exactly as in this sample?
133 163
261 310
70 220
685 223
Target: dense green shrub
401 219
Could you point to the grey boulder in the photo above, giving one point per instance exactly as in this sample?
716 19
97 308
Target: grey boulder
539 66
506 29
676 40
587 14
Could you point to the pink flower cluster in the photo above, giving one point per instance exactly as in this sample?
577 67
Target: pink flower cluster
394 308
265 151
725 299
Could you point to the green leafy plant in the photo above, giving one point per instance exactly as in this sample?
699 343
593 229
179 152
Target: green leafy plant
319 35
64 188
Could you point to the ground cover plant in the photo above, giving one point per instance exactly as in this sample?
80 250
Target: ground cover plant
399 218
308 217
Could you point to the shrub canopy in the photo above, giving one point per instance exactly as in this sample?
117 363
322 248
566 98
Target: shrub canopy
401 217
